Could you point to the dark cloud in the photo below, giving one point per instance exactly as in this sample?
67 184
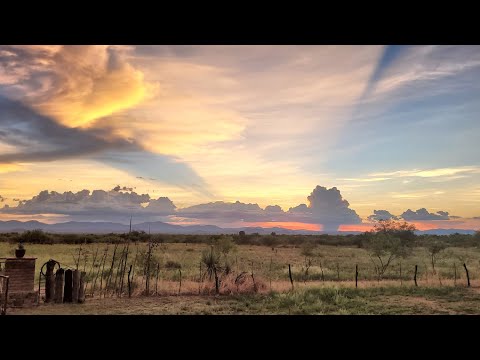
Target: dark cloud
39 138
382 215
274 209
98 204
423 214
162 205
328 208
300 209
124 188
223 210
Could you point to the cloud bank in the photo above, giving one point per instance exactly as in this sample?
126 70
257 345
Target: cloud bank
423 214
326 207
96 204
382 215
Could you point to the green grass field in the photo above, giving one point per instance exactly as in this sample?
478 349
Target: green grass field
334 293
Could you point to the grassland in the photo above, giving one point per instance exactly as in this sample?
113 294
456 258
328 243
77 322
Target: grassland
321 300
334 292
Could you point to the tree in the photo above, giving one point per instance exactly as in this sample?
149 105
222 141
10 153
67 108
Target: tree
399 229
241 233
434 248
384 248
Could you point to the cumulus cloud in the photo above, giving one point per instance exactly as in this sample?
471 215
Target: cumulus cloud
382 215
326 207
299 209
423 214
224 210
162 205
274 209
96 204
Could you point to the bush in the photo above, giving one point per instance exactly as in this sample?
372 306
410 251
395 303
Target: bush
35 237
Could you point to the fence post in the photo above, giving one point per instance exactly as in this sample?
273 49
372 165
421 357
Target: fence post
67 289
290 274
75 285
59 286
49 282
5 302
81 287
356 276
129 282
468 276
415 277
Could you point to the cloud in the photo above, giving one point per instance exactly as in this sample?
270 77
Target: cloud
330 209
93 206
162 205
275 209
76 85
326 207
38 138
118 188
2 199
367 179
429 173
226 211
423 214
299 209
382 215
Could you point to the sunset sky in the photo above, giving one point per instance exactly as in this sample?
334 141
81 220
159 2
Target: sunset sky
391 127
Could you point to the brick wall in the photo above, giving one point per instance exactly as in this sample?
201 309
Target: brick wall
22 274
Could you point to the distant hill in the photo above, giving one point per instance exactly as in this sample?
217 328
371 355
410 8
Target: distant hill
161 227
445 232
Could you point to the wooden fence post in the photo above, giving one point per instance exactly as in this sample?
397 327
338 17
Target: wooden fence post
468 276
50 282
290 275
75 285
356 276
81 288
59 276
67 289
6 280
415 276
129 282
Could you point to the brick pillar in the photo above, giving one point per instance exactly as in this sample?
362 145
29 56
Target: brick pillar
22 274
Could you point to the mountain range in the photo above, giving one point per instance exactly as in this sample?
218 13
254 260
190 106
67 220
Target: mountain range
162 227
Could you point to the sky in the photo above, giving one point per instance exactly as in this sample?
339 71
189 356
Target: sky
194 134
